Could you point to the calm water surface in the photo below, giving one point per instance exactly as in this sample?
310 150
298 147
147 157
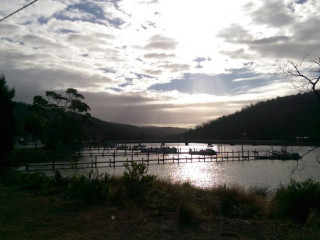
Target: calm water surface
270 173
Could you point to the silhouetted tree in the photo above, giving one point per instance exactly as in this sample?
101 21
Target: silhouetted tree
6 122
308 77
36 125
65 114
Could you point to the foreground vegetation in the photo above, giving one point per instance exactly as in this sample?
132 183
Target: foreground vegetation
30 201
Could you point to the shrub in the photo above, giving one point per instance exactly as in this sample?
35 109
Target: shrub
188 213
235 202
297 200
136 180
89 188
33 181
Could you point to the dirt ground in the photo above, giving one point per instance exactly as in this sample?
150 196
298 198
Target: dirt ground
29 216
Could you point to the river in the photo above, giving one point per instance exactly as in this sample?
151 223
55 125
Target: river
253 173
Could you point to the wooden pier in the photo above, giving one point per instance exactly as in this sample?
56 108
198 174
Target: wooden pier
94 158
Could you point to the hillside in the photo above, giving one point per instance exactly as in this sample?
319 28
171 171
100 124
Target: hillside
98 129
118 131
283 118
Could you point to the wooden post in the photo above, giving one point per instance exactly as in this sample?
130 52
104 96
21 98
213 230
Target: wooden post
95 162
227 157
158 159
53 165
132 157
232 155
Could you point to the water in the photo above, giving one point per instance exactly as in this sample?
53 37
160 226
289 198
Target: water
269 173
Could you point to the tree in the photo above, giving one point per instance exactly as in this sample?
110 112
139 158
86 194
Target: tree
35 124
6 122
307 77
65 114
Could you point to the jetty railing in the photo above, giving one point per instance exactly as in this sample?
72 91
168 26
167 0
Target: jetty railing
107 159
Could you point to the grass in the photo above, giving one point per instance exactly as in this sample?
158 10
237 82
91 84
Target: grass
31 201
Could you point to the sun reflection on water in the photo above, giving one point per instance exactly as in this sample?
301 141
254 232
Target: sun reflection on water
202 175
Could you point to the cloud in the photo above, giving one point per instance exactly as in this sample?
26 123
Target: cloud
273 13
153 72
235 33
158 55
147 60
238 54
175 67
161 42
298 38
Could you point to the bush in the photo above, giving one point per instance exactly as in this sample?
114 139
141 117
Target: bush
91 188
188 213
33 181
235 202
297 200
136 180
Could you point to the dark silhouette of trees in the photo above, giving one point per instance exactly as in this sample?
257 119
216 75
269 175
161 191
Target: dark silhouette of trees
6 122
60 117
283 118
35 124
307 78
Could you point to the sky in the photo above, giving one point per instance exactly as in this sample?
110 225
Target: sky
158 62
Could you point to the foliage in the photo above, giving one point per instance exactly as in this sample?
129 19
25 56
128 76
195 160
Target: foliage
89 188
137 180
235 202
6 122
35 124
61 116
28 155
297 200
188 213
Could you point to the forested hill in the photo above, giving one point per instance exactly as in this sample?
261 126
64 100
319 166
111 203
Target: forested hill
118 131
98 129
283 118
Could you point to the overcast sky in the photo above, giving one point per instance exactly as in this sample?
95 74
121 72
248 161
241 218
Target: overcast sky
157 62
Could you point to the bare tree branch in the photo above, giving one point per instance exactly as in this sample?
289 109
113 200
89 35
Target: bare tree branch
293 69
